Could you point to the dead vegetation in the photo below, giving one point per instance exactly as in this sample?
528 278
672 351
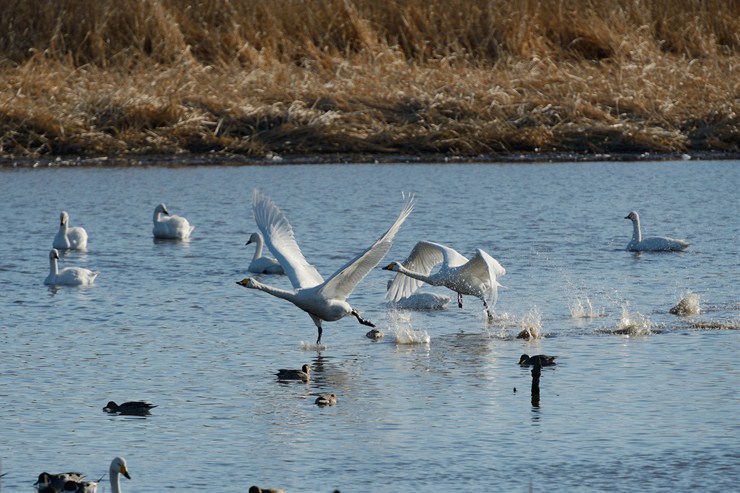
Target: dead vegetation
290 77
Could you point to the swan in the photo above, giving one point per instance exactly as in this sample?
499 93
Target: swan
68 276
326 400
304 374
323 300
475 277
69 238
260 264
170 227
544 360
652 243
73 482
420 301
131 408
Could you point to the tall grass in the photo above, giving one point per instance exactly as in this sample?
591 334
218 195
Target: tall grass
105 77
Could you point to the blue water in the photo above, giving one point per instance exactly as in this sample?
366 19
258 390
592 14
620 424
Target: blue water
643 406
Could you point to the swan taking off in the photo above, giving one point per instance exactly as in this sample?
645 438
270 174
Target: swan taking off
73 482
69 238
170 227
324 301
474 277
260 264
651 243
68 276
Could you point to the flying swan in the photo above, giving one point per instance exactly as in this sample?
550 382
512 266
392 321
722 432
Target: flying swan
170 227
652 243
474 277
73 482
68 276
324 301
69 238
260 264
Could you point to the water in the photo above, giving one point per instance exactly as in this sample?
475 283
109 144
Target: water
641 400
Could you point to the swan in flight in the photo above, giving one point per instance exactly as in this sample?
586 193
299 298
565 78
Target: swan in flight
652 243
68 276
69 238
260 264
73 482
324 301
170 227
475 277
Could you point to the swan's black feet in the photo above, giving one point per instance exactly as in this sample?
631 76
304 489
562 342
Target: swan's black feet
318 341
362 320
459 300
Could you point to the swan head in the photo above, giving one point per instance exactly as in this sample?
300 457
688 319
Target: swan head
118 466
253 238
247 282
54 254
63 218
632 216
161 208
393 266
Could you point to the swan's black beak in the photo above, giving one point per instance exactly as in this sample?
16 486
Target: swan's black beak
627 217
248 242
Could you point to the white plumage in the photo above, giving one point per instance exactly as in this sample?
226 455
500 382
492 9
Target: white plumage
260 264
68 276
651 243
170 227
69 238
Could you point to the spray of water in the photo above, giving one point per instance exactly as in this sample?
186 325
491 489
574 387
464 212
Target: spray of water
401 327
689 305
633 323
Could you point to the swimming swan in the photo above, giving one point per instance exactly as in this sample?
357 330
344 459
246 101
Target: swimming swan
324 301
652 243
68 276
73 482
475 277
170 227
260 264
69 238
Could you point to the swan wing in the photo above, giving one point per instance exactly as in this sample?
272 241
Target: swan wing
482 271
278 235
343 281
423 258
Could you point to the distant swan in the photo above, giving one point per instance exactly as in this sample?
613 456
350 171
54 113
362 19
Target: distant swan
170 227
260 264
652 243
73 482
68 276
69 238
474 277
322 300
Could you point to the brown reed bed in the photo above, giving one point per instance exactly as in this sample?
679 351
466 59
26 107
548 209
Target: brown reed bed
291 78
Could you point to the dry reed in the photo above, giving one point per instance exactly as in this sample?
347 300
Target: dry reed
416 77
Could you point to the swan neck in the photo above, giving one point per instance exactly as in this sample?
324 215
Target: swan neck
420 277
115 482
258 248
636 233
277 292
53 266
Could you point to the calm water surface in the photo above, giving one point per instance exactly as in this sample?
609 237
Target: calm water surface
652 409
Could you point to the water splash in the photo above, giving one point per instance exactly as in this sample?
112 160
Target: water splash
399 324
689 305
312 346
633 324
530 325
581 308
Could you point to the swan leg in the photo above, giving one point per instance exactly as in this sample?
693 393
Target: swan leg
459 300
488 311
318 341
362 320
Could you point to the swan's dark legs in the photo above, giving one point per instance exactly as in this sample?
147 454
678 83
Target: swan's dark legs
459 300
362 320
485 305
318 341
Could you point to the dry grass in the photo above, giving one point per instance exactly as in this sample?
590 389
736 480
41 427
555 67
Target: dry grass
296 77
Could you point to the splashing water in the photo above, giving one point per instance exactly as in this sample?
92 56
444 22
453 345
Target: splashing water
633 324
399 324
530 325
582 307
311 346
689 305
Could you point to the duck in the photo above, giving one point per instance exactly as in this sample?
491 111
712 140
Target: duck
475 277
375 334
170 227
53 483
131 408
544 360
68 276
651 243
117 468
304 374
257 489
260 264
69 238
326 400
323 300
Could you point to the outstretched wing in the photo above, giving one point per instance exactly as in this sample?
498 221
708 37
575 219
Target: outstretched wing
278 235
483 270
423 258
343 281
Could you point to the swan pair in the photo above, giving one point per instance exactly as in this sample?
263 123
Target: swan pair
68 276
69 238
73 482
323 300
170 227
652 243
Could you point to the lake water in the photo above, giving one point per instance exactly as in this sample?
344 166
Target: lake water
641 400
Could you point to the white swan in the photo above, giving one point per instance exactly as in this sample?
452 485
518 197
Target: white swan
324 301
260 264
475 277
69 238
420 301
170 227
68 276
652 243
73 482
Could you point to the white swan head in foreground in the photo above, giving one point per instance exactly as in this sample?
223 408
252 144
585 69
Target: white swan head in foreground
74 482
170 227
68 238
651 243
260 264
323 300
68 276
475 277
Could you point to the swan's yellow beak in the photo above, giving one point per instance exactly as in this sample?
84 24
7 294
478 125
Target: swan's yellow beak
245 282
388 267
124 471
